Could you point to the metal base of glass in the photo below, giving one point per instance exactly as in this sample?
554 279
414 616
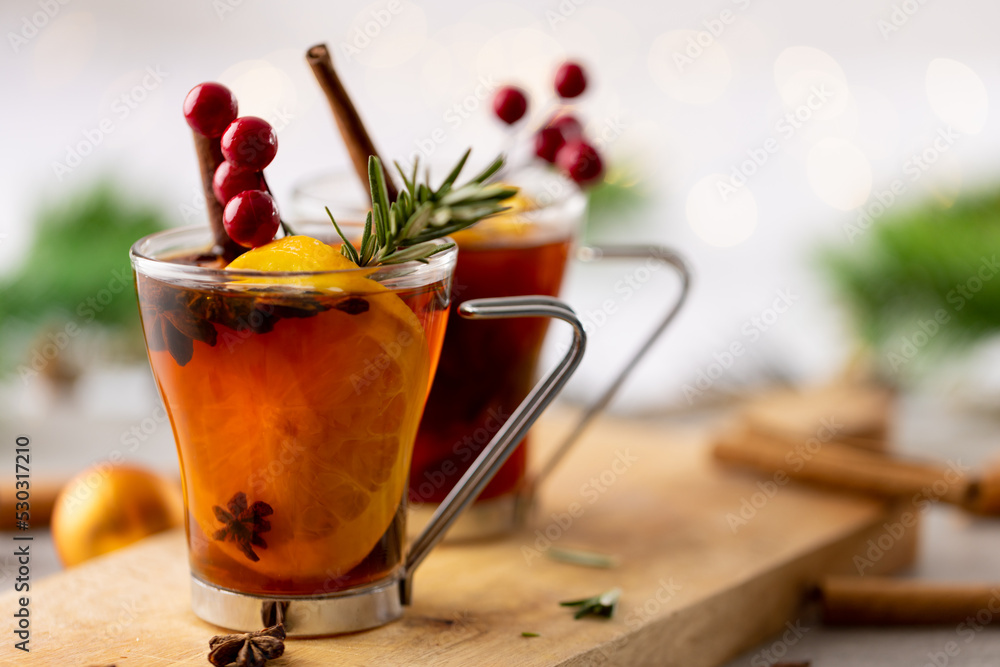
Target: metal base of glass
483 519
333 614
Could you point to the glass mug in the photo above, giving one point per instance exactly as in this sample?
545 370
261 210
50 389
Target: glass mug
508 255
294 399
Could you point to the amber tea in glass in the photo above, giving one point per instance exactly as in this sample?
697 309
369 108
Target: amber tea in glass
294 402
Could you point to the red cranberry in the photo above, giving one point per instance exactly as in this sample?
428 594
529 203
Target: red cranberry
568 126
209 109
570 80
509 104
251 218
548 141
580 161
249 142
229 181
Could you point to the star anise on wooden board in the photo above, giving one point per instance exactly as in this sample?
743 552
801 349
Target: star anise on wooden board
251 649
243 524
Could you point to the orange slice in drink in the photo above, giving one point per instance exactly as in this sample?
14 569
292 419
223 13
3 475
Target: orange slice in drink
509 226
318 418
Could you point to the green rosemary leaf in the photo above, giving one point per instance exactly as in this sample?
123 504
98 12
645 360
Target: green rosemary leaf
436 233
379 228
395 215
409 183
417 252
417 222
475 213
602 605
530 634
450 179
473 193
401 230
367 241
376 183
491 169
582 557
347 248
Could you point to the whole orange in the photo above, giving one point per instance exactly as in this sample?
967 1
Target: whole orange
107 507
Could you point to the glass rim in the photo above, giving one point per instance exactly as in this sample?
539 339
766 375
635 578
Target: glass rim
142 258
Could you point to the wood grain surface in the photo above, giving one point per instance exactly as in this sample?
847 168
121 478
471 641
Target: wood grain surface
698 588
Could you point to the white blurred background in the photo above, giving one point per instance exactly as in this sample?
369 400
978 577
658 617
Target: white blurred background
683 94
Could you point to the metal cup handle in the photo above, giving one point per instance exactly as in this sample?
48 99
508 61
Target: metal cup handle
597 253
513 431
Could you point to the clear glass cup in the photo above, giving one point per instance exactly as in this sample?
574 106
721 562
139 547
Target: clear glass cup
509 255
295 399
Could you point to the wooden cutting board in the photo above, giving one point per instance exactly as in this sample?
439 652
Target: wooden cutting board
698 586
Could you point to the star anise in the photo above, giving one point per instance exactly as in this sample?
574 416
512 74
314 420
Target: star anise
251 649
243 524
174 317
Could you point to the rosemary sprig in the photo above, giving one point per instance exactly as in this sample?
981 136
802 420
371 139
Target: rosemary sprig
404 230
582 557
600 605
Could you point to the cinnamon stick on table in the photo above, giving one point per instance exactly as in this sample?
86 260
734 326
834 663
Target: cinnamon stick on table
847 467
359 144
885 601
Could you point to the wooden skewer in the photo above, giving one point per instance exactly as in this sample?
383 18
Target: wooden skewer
359 144
885 601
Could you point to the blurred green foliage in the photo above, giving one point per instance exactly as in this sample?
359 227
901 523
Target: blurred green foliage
79 248
915 266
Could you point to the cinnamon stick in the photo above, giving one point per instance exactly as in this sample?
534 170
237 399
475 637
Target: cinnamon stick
43 500
209 158
984 493
359 144
885 601
844 466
